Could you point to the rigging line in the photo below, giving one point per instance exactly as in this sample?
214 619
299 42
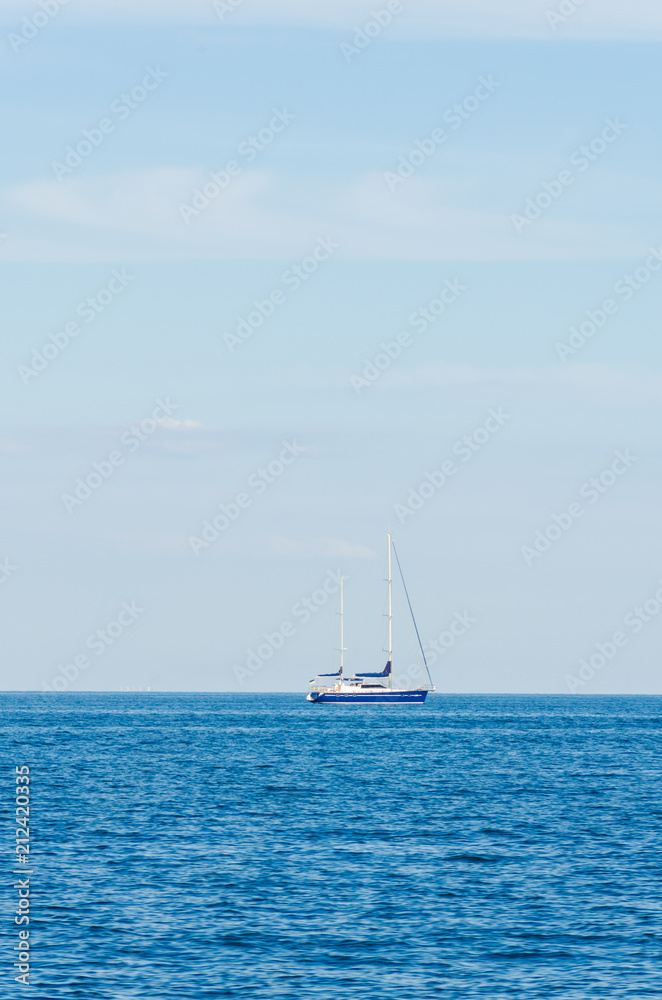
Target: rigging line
411 610
409 635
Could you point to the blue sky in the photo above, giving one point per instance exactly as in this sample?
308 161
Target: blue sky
166 293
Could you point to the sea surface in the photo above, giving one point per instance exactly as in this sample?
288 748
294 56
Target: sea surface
258 846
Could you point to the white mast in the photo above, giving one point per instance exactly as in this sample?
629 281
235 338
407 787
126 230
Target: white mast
342 632
390 611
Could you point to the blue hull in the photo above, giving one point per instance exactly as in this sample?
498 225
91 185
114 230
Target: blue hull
393 698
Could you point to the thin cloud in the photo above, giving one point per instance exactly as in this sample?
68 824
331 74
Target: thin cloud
133 542
633 383
169 423
325 548
135 215
494 19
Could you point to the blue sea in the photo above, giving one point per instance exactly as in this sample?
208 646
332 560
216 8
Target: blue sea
258 846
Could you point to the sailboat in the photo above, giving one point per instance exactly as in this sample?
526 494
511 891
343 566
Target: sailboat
376 688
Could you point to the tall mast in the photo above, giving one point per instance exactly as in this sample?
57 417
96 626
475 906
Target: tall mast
342 634
390 611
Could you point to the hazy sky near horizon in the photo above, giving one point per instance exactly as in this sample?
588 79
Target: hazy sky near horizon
324 269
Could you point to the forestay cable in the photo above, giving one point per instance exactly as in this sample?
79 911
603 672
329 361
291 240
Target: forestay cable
411 611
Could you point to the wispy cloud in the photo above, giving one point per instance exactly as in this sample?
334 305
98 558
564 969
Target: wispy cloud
325 548
135 215
171 424
13 444
598 19
632 383
174 437
138 542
